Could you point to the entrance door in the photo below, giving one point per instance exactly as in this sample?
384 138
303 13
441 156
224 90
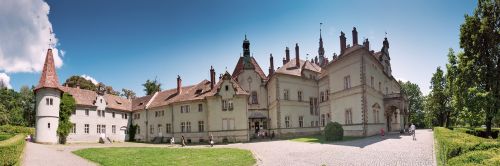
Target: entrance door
388 123
257 127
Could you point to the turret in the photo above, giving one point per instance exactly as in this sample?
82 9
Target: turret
271 64
297 58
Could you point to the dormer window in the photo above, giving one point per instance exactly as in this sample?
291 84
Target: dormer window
227 88
198 91
101 100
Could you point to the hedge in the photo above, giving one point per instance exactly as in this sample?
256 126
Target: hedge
481 157
479 132
333 131
11 150
17 129
450 144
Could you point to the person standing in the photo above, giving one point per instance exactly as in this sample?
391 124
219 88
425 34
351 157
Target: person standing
412 128
272 135
211 139
172 141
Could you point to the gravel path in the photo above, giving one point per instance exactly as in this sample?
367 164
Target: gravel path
391 150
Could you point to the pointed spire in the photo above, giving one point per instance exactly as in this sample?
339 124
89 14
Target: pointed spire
48 78
321 49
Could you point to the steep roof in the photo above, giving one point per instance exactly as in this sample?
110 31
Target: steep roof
239 68
48 78
188 93
290 68
85 97
140 102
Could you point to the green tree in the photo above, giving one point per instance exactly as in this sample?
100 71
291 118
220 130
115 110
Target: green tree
150 87
129 94
67 106
450 88
27 99
480 38
436 101
75 81
415 98
132 131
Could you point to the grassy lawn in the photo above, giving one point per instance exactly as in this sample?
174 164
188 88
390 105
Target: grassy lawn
321 139
167 156
4 136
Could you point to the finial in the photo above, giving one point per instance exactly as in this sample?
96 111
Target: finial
385 34
50 38
245 36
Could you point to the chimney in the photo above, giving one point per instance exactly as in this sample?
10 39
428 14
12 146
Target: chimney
366 43
316 60
284 61
212 77
271 66
342 42
179 84
287 53
297 60
354 36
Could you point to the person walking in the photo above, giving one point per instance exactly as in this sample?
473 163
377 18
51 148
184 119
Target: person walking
172 141
272 135
211 139
412 128
183 141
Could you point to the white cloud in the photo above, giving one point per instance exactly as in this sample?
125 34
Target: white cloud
5 80
91 79
25 36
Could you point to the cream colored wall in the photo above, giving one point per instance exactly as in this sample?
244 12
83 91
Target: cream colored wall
159 120
272 91
257 85
141 123
47 114
324 107
193 116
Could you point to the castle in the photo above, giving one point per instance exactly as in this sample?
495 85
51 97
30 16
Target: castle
355 88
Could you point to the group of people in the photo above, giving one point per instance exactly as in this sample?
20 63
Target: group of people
183 141
264 134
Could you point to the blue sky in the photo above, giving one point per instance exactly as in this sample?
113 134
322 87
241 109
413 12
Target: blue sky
124 43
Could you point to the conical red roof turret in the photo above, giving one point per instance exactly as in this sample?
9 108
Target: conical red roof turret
49 76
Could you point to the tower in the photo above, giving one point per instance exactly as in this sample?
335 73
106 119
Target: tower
246 54
321 49
48 98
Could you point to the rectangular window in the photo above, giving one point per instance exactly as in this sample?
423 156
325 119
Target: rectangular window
87 112
253 98
156 112
372 83
327 94
126 116
73 128
185 109
103 129
224 105
347 82
162 113
323 120
188 127
285 94
322 96
98 128
160 128
301 121
311 105
86 129
201 126
380 86
151 129
200 107
299 95
113 129
183 127
228 124
47 102
113 114
230 105
287 121
138 129
51 101
168 128
103 112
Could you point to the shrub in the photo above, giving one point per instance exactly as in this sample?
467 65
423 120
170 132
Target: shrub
17 129
333 131
11 150
450 144
482 157
5 136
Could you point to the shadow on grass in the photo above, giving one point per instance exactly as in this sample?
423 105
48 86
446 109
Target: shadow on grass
360 142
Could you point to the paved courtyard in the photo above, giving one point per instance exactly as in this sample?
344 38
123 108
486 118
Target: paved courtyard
393 149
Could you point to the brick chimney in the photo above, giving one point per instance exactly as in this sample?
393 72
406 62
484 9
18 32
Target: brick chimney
212 77
297 58
342 42
366 43
287 53
271 64
284 60
179 84
354 36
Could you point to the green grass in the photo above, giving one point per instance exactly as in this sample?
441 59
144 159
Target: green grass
321 139
167 156
4 136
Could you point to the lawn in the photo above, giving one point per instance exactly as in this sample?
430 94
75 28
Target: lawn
167 156
321 139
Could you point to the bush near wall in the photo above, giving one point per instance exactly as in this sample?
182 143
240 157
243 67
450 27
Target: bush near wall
450 144
11 150
333 131
17 129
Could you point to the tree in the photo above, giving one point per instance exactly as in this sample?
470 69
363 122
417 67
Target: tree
436 101
415 98
129 94
110 90
450 86
150 87
27 99
480 40
75 81
67 106
132 131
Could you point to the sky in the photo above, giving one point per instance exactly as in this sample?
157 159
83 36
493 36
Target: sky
124 43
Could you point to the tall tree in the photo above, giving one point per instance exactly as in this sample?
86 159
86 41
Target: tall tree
480 40
129 94
415 98
436 102
150 87
67 106
27 99
450 86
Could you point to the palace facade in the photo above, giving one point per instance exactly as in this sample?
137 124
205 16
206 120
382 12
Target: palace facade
355 88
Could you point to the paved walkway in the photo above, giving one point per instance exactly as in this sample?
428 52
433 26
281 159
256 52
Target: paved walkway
393 149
